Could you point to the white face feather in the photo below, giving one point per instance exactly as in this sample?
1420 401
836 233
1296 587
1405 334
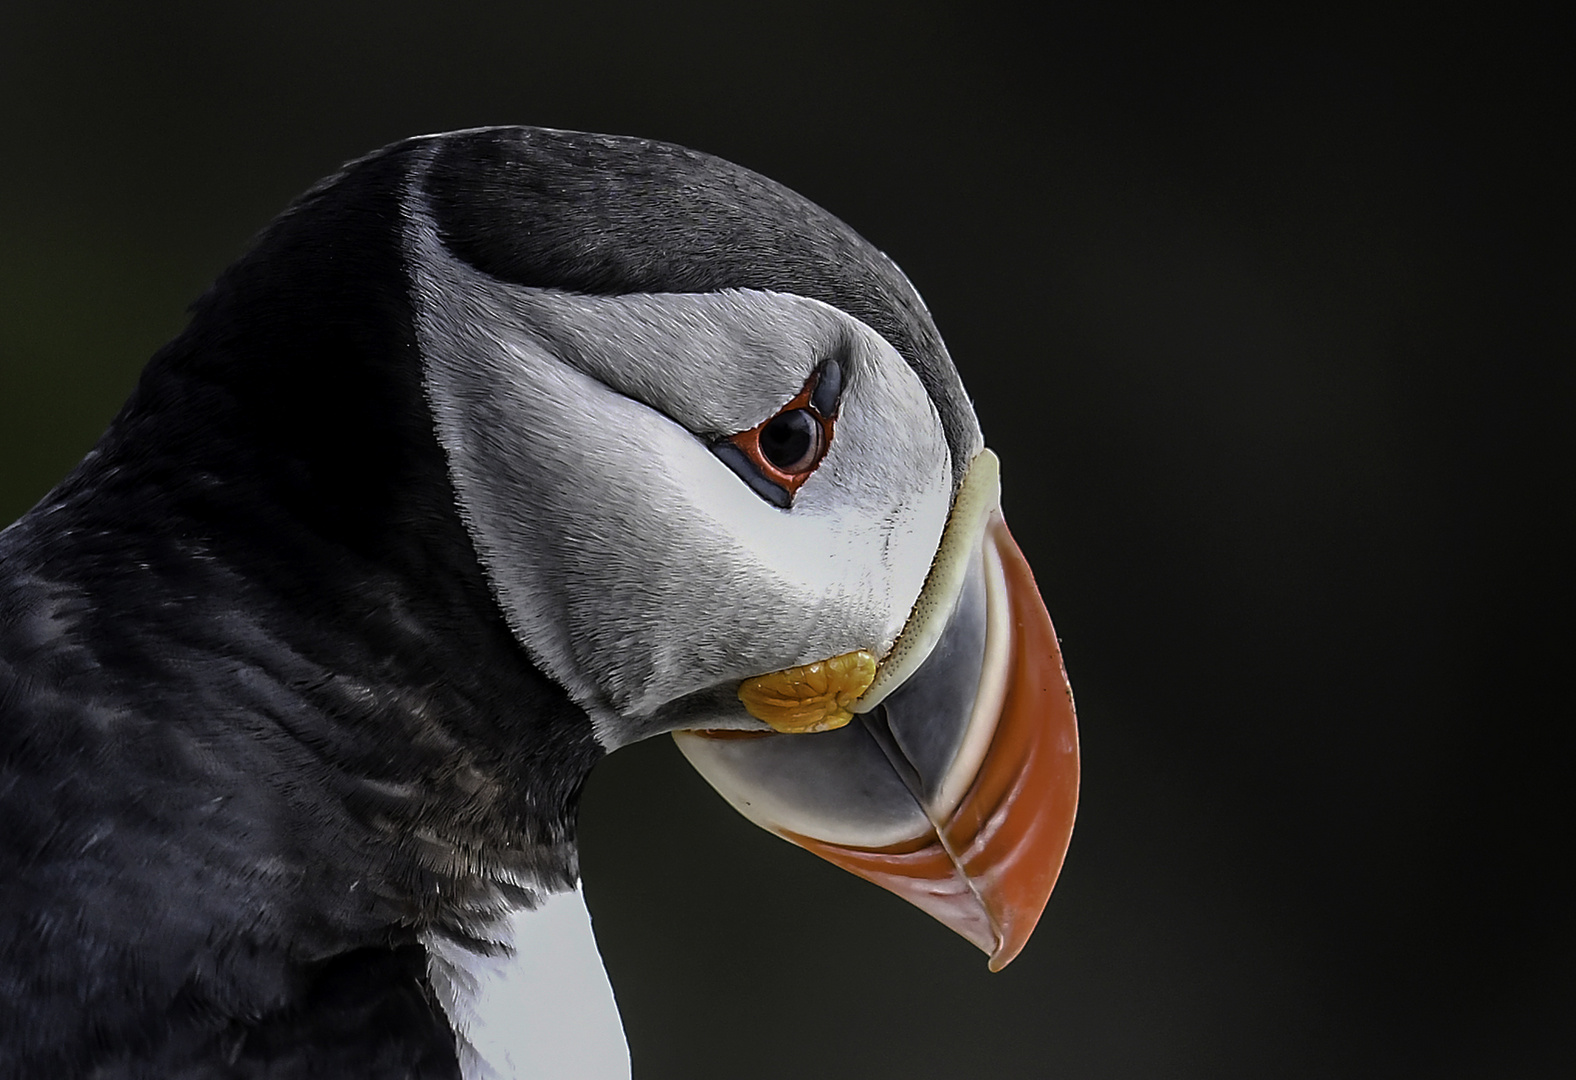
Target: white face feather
634 566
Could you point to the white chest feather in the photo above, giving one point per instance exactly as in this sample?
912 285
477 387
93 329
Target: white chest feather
541 1008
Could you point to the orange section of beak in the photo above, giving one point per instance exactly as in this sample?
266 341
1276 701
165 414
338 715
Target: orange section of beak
989 869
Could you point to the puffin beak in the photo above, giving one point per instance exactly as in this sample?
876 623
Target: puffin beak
956 782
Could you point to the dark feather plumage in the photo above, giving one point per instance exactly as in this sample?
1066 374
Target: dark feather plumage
258 709
262 722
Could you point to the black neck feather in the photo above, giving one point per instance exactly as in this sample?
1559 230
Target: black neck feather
258 708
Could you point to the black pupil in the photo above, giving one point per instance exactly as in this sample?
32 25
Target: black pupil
788 439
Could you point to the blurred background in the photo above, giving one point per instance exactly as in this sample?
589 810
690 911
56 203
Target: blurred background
1269 316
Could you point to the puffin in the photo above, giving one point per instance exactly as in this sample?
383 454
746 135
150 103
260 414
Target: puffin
499 450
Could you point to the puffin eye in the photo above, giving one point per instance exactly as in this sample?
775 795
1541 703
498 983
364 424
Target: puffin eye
792 440
778 455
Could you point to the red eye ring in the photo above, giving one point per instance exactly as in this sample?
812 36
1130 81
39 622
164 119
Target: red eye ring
749 442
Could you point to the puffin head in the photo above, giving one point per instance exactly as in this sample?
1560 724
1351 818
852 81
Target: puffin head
724 482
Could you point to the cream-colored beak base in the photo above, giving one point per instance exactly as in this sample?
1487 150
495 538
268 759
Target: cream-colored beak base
979 496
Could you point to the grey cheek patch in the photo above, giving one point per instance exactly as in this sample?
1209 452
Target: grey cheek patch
717 363
637 566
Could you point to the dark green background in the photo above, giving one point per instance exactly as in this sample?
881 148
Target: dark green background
1269 318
